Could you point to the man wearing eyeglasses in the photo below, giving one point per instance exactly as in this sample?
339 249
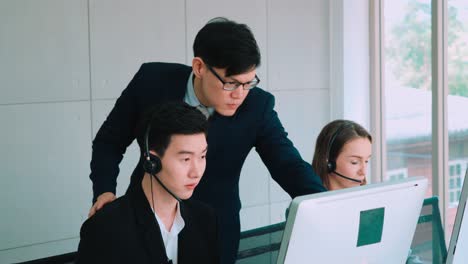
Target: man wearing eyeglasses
222 83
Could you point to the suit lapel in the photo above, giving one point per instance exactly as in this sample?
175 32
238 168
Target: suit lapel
147 225
185 241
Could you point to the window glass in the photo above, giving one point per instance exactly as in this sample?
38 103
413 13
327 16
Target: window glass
457 101
408 92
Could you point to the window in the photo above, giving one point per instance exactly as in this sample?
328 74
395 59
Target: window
408 94
455 183
397 174
408 91
457 100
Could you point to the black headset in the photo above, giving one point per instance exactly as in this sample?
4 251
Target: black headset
151 163
331 164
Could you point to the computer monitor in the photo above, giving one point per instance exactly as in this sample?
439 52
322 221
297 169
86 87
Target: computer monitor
367 224
458 247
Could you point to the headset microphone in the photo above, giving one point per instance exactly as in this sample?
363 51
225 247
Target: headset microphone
152 165
346 177
331 164
167 190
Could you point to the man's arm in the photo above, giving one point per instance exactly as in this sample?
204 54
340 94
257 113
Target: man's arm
112 140
282 159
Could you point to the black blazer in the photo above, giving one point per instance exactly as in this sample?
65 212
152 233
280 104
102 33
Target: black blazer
230 139
126 231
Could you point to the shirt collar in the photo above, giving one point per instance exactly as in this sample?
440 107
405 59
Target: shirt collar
190 97
177 225
179 222
170 238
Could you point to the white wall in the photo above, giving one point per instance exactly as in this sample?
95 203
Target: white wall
349 61
63 64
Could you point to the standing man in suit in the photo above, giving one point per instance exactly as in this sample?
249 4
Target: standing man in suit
151 223
222 83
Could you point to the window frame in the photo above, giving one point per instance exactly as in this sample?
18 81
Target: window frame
440 140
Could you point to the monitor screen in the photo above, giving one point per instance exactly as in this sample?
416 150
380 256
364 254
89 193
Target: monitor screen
458 247
367 224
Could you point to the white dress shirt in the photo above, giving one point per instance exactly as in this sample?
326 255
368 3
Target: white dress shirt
170 238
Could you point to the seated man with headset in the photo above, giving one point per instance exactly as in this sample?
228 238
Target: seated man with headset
156 222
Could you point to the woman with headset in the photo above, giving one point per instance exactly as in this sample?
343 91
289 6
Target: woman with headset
342 152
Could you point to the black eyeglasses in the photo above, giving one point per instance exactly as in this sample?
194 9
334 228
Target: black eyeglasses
231 86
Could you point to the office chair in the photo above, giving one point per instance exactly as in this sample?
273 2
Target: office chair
428 245
260 245
68 258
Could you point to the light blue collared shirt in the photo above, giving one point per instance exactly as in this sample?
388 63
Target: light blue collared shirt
190 97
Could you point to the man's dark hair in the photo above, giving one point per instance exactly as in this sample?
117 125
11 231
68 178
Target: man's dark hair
168 119
226 44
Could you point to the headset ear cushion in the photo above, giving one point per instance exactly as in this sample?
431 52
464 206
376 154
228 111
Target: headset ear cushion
152 165
331 166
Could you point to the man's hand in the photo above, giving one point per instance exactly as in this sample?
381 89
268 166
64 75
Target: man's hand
102 199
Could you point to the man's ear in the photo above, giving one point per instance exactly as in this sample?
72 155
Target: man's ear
198 67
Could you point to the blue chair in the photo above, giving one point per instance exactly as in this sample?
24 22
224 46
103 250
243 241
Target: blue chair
260 245
428 245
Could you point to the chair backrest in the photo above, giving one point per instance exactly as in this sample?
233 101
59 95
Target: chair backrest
68 258
260 245
428 244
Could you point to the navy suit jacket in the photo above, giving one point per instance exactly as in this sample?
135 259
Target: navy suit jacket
126 231
230 139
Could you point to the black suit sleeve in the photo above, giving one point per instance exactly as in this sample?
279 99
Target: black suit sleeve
113 138
215 248
198 241
92 247
281 158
